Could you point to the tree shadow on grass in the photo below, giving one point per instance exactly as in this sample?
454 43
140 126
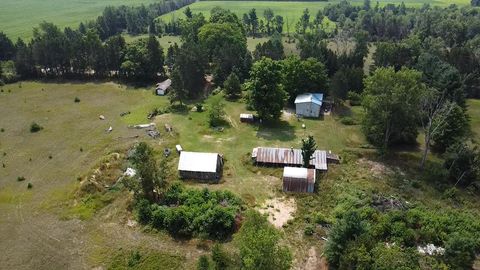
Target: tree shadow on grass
278 130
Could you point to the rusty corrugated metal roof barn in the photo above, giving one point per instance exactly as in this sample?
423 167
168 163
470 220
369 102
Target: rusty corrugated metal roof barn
285 156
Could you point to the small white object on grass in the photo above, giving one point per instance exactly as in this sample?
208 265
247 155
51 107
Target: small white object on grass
303 126
109 129
130 172
101 117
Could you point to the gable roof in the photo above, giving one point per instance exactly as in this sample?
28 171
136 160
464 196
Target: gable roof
164 85
290 157
316 98
198 162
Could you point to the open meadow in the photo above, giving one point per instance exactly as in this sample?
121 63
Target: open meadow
51 226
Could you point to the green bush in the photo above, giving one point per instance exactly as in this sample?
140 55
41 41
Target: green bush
192 212
144 211
309 230
29 186
203 263
354 98
388 240
348 121
76 100
20 178
34 127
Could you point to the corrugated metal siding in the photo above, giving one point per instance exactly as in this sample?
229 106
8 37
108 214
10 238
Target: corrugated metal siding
299 184
287 156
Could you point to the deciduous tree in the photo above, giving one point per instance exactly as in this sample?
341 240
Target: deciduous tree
391 101
266 94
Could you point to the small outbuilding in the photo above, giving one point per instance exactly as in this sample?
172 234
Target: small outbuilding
309 105
246 118
162 88
298 179
202 166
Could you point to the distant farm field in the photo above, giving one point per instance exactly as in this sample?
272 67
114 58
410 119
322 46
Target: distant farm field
18 17
290 11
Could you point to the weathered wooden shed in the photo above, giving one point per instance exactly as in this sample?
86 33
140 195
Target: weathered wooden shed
202 166
298 179
288 157
309 105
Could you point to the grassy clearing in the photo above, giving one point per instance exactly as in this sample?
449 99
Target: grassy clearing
474 113
69 126
18 17
145 260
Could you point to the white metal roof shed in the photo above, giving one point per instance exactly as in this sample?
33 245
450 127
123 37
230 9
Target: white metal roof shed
198 162
295 172
316 98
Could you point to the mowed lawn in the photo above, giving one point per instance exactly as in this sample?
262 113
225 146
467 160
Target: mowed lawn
18 17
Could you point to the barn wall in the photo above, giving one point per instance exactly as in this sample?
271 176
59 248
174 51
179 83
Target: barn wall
199 175
297 185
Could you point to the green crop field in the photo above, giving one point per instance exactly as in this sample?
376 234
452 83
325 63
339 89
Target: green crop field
18 17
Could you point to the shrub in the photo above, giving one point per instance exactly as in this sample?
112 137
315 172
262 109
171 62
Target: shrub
188 212
221 259
199 107
144 212
460 251
216 113
2 130
203 263
348 121
134 258
34 127
29 186
76 100
309 230
354 98
20 178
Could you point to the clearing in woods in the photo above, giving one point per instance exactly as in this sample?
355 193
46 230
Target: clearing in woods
48 227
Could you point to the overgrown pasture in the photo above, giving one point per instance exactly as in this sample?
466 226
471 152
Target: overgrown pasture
51 226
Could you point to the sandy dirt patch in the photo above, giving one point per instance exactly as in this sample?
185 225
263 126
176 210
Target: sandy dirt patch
279 210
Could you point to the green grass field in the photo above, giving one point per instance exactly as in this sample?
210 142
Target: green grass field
18 17
290 11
